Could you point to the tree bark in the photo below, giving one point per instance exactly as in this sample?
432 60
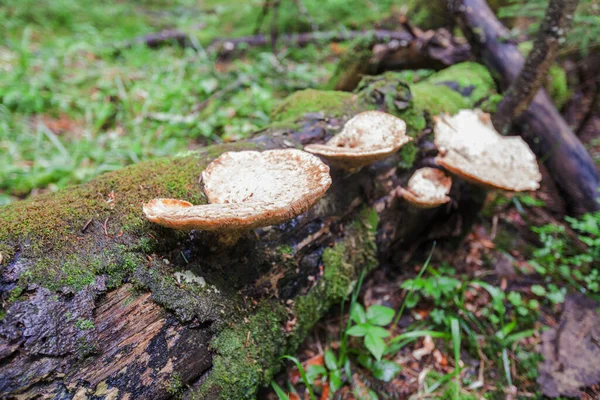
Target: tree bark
541 125
519 95
93 299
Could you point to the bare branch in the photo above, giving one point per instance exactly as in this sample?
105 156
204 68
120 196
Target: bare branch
555 25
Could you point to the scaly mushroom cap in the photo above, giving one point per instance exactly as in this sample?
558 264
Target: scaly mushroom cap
368 137
471 148
427 188
248 189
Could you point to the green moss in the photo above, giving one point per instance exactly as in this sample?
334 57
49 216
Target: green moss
85 348
342 265
557 87
329 102
239 365
84 324
408 154
246 355
286 249
436 99
14 294
468 75
175 386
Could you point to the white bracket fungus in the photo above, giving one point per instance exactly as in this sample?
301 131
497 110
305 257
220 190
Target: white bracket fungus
368 137
472 149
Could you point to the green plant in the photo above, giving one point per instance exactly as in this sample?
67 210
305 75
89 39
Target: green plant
560 259
369 325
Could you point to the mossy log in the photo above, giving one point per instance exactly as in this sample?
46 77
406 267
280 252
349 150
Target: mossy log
99 303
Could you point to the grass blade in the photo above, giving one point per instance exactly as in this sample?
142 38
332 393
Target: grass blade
302 374
455 328
279 391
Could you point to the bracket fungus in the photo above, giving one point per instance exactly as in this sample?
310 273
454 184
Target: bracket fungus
471 148
427 188
367 137
247 190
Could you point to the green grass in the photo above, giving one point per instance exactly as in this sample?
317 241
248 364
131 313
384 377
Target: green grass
71 108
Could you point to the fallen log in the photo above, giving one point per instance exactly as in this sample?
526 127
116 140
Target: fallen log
436 47
541 124
98 302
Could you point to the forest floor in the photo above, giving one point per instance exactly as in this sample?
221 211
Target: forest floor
76 102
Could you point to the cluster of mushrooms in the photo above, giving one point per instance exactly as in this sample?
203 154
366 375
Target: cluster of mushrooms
250 189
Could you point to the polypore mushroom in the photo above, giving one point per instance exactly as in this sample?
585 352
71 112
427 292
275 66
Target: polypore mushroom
471 148
247 190
368 137
427 188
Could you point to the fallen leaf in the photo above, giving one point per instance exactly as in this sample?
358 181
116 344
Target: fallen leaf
428 347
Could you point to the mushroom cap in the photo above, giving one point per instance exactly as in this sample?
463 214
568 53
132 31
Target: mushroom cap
247 190
427 188
471 148
368 137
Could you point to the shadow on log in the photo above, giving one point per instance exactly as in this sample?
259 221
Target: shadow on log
98 302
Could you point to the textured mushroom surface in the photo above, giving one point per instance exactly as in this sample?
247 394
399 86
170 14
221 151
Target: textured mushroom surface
248 189
471 148
427 187
367 137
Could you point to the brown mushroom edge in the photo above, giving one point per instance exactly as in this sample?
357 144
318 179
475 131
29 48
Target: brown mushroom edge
470 148
427 188
368 137
247 190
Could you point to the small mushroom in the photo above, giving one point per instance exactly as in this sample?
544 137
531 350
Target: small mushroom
427 188
368 137
247 190
471 148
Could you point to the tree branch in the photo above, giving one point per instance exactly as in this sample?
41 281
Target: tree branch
555 25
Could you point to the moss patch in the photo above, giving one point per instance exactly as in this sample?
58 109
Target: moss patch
557 87
98 229
469 76
436 99
328 102
342 265
246 355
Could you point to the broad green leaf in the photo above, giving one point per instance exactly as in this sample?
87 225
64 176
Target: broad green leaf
314 372
385 370
335 380
380 315
330 360
538 290
358 330
375 345
357 314
377 331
